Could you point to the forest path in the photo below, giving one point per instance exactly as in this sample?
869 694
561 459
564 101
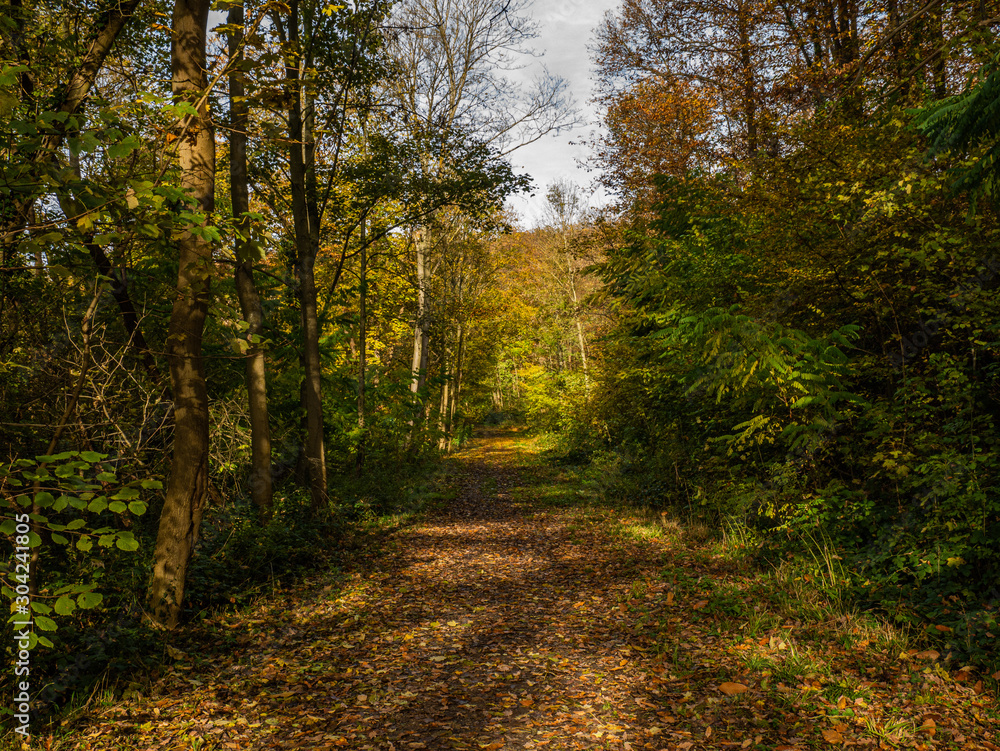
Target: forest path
523 617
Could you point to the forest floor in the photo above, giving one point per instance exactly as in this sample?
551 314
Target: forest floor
528 614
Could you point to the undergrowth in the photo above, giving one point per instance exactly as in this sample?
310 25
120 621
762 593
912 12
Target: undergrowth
238 560
828 575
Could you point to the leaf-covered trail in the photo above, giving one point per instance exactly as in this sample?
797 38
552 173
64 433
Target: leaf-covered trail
504 624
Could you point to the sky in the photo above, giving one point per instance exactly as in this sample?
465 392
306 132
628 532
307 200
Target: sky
565 29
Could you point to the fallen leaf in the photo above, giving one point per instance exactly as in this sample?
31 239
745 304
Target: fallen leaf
832 736
731 689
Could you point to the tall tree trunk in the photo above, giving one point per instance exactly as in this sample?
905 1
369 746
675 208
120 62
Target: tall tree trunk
420 333
456 391
305 215
250 305
576 313
421 337
445 387
749 82
184 502
362 354
939 51
899 62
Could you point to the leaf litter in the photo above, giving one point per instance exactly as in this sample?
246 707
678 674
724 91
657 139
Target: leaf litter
506 623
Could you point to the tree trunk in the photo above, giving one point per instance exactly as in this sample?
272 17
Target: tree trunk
184 502
456 392
362 354
420 333
305 215
576 315
749 82
246 289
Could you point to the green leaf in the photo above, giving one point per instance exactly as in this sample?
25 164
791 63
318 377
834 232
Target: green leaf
44 499
85 543
117 507
137 507
45 624
44 641
59 539
92 456
89 600
98 504
126 147
40 607
49 458
125 494
8 527
106 541
61 502
106 477
76 524
65 605
127 544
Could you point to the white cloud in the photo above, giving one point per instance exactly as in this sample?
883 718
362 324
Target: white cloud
565 29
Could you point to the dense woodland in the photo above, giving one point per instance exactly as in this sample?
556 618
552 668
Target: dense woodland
256 276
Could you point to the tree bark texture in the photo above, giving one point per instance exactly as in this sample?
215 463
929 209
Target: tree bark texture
305 216
185 498
362 350
253 312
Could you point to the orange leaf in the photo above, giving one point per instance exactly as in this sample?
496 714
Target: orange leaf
731 689
832 736
670 597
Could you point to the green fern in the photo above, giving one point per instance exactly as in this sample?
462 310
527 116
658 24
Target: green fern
969 121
